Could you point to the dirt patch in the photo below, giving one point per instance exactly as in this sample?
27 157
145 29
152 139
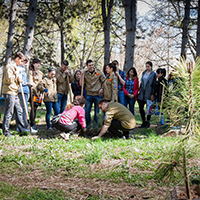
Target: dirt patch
78 188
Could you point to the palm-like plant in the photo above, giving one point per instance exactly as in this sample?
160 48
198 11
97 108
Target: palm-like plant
183 106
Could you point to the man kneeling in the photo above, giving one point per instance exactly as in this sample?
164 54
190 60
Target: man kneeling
117 118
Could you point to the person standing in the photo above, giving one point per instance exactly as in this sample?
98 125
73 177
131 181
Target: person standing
63 77
147 85
76 86
121 82
48 86
117 118
93 79
110 89
131 89
34 77
26 91
10 89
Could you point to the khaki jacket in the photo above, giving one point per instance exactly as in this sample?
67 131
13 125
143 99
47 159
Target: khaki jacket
50 85
35 77
93 82
62 83
117 111
110 88
10 82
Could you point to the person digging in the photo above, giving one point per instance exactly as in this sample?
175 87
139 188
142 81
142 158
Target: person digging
117 118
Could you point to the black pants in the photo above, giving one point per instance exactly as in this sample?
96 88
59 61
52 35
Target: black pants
75 126
116 126
142 112
33 114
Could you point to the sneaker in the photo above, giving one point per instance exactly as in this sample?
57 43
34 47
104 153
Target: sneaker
49 129
35 128
32 130
65 136
147 124
8 135
142 125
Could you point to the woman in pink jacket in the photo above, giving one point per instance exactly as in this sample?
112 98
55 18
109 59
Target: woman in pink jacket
67 123
131 89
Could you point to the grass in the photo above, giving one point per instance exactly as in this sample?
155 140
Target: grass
115 161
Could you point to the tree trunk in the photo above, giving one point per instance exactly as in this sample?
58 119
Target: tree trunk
106 25
130 17
62 30
198 30
30 28
9 46
185 29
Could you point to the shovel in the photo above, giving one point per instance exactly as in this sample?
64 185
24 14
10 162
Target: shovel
159 127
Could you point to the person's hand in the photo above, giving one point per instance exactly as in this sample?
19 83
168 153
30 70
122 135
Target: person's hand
67 72
132 96
40 96
82 71
19 80
100 93
95 137
117 72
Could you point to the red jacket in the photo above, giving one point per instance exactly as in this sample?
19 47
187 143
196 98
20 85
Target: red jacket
135 88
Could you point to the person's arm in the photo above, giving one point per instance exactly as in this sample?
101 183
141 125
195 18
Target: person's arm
121 79
102 132
136 87
114 89
60 77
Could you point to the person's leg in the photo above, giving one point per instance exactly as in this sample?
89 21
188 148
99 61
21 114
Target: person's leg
19 115
88 107
96 108
9 109
26 124
33 114
55 109
141 108
126 101
63 103
59 101
121 97
132 105
66 128
48 113
114 128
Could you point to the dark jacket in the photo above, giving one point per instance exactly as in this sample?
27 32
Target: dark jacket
76 89
145 93
159 88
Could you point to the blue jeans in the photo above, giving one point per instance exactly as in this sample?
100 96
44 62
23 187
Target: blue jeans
90 100
62 101
121 97
49 106
26 97
12 104
131 103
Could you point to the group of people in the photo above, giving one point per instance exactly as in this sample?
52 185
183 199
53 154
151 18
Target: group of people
111 90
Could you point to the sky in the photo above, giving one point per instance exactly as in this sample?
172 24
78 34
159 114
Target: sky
143 7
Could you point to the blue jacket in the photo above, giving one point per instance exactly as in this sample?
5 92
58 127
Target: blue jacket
25 80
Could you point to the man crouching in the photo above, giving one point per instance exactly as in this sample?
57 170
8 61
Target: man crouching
117 118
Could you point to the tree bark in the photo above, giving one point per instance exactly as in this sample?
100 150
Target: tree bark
9 46
130 18
106 24
198 30
185 29
30 28
62 30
